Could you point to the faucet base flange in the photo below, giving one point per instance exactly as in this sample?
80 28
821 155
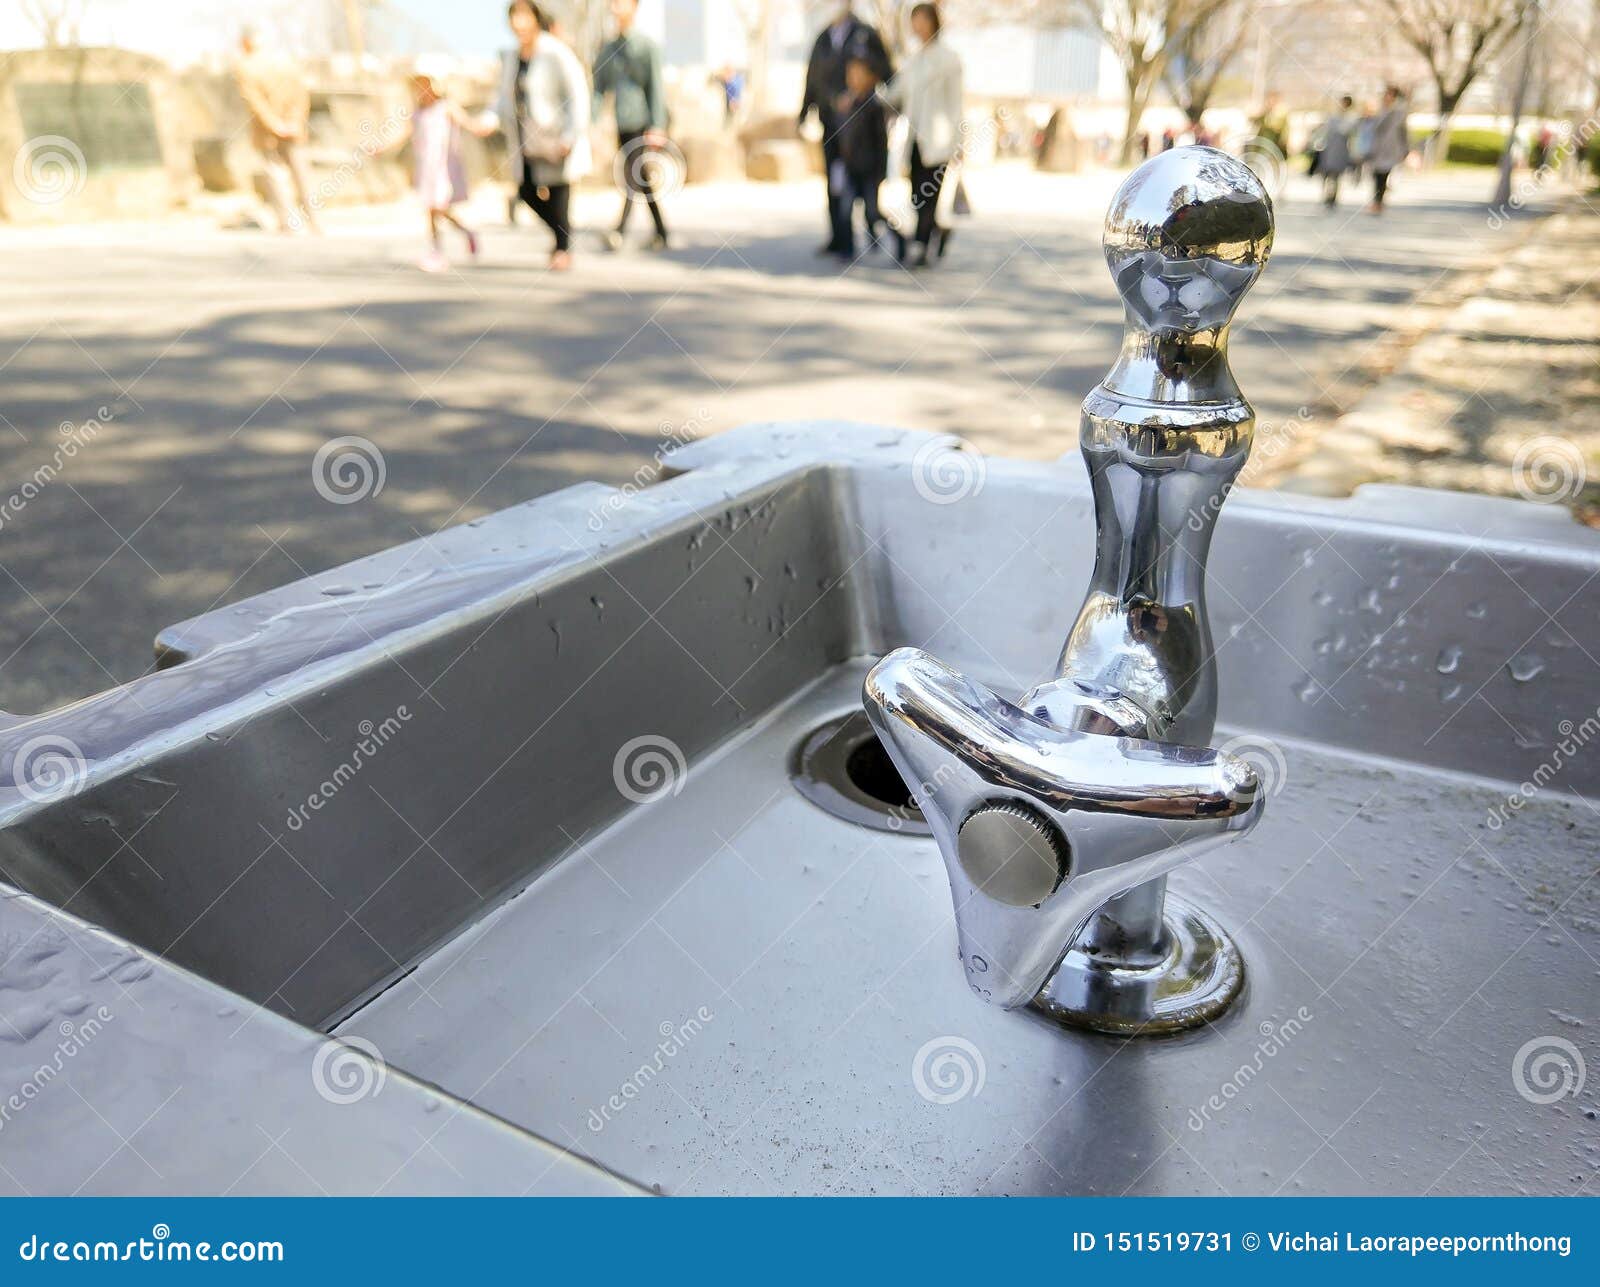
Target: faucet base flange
1199 978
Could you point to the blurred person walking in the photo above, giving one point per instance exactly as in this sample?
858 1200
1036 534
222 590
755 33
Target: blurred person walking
629 70
279 102
1390 145
929 92
1361 143
1336 149
544 108
863 152
730 83
846 38
440 176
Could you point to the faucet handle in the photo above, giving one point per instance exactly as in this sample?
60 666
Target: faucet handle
1039 824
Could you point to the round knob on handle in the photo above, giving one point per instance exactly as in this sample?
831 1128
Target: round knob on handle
1013 853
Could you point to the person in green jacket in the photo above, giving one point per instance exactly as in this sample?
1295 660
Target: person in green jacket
629 69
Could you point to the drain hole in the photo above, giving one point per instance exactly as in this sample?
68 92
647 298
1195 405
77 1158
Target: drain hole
841 766
873 773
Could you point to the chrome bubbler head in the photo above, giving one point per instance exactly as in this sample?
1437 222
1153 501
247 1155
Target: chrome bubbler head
1186 236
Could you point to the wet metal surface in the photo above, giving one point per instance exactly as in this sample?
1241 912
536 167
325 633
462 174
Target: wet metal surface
123 1075
771 994
824 954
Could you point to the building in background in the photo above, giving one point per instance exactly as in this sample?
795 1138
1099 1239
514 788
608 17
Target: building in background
188 32
1309 53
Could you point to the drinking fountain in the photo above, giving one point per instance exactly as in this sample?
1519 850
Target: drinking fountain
488 863
1059 815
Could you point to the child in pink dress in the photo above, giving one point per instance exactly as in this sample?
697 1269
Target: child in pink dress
441 180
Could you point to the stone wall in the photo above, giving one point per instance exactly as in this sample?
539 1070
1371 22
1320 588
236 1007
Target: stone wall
88 133
106 133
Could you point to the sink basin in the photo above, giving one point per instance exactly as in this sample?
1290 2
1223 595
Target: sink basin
512 812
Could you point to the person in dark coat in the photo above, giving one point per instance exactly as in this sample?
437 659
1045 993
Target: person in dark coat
844 39
863 152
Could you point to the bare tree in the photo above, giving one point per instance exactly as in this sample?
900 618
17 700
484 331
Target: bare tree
892 18
1200 52
1141 34
59 23
581 23
1456 39
1502 194
1566 60
355 25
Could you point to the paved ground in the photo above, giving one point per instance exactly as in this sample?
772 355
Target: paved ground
225 360
1512 375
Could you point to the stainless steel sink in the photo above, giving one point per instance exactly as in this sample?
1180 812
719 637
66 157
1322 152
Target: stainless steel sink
511 811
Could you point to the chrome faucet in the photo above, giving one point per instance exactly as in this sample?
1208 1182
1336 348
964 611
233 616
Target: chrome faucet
1059 815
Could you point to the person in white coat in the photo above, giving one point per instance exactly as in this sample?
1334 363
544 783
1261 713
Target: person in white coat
929 92
544 110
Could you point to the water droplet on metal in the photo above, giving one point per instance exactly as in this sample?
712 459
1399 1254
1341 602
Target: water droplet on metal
1525 667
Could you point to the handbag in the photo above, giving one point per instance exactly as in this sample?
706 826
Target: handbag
543 145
